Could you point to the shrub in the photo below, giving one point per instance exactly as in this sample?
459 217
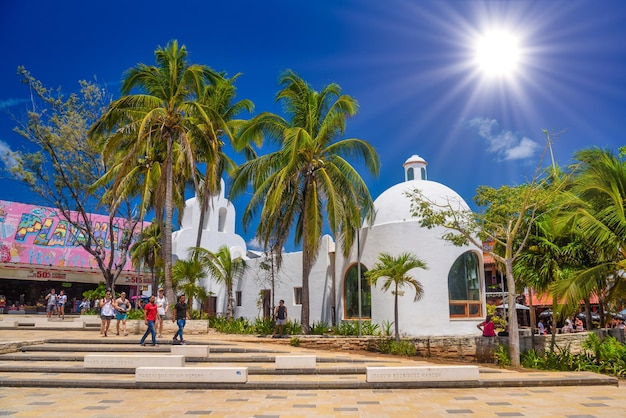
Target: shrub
606 356
502 355
293 327
319 328
264 326
135 314
295 342
402 348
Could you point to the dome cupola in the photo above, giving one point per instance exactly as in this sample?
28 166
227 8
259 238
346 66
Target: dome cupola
415 168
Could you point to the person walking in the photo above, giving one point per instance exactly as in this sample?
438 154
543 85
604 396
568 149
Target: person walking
181 314
280 316
61 302
51 306
122 306
149 317
162 308
487 327
107 312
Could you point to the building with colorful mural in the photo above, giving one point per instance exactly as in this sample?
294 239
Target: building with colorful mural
39 250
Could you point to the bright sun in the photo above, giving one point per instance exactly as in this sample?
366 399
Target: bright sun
497 54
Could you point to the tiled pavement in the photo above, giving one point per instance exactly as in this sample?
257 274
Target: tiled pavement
106 400
572 402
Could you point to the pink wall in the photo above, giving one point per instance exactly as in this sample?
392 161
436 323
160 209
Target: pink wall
36 235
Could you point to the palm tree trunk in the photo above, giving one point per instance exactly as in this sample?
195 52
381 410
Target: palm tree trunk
306 270
204 203
395 314
230 311
167 234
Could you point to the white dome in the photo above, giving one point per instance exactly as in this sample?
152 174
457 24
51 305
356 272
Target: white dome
394 206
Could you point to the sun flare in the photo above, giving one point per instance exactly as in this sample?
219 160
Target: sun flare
497 54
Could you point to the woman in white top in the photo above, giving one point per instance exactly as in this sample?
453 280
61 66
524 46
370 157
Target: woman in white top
107 312
162 307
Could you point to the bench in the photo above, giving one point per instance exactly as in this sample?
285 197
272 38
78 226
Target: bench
131 361
295 362
421 374
191 350
192 374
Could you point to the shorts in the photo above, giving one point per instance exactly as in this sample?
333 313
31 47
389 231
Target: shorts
50 308
109 317
281 321
162 316
120 316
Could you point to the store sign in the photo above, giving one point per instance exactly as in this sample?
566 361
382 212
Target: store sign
46 275
137 280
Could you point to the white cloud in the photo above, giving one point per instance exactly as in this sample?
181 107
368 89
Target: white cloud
506 145
6 103
7 155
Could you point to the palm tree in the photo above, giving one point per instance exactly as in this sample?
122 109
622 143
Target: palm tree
218 102
594 209
160 108
186 275
147 252
308 181
224 269
395 270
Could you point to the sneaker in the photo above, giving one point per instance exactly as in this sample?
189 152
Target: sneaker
142 344
183 342
155 345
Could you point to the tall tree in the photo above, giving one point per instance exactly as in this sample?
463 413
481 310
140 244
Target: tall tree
146 252
224 269
396 272
160 107
308 181
507 219
65 164
218 101
594 207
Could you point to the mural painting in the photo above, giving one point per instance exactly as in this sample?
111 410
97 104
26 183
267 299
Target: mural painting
37 235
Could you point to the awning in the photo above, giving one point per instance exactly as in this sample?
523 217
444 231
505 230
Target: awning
518 306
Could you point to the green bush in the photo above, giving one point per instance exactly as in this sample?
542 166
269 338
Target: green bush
264 326
502 355
346 328
295 342
231 326
606 356
319 328
135 314
293 327
402 348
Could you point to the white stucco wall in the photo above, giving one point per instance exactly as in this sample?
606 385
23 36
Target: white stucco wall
289 277
430 315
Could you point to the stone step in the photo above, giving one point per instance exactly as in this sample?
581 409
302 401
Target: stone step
289 382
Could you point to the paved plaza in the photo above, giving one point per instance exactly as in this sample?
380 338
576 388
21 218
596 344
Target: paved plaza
541 394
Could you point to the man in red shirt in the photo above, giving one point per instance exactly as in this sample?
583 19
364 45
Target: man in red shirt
149 316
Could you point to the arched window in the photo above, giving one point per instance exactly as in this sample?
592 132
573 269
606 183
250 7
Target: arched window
410 175
221 224
351 294
464 287
423 173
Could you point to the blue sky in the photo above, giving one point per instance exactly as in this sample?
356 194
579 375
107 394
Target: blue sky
410 64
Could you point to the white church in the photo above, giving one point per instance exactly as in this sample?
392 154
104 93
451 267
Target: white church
454 294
